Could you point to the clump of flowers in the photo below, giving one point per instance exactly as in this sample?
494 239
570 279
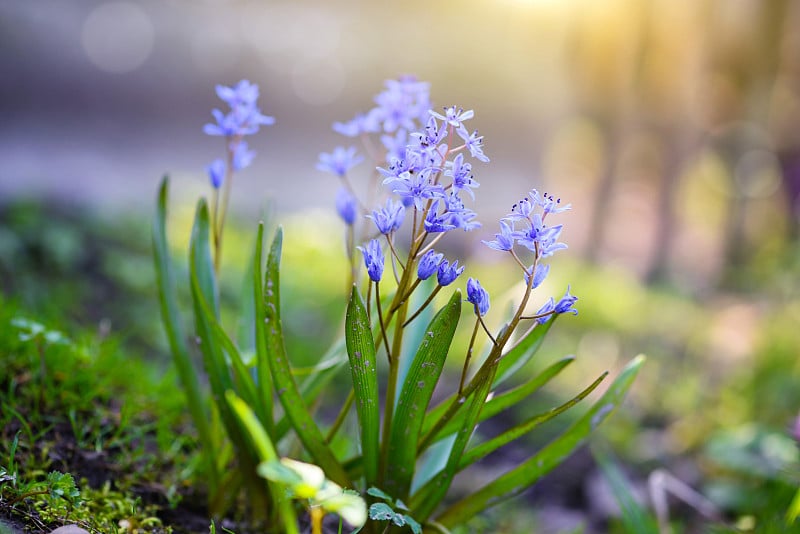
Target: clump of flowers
242 119
420 183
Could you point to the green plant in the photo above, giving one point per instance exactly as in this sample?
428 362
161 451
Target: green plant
266 409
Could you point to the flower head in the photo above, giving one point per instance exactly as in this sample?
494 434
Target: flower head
428 264
346 206
504 240
453 115
565 305
389 218
448 272
244 117
477 296
242 156
216 172
373 259
339 161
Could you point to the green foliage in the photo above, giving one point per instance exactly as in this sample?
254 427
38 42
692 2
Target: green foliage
391 510
262 401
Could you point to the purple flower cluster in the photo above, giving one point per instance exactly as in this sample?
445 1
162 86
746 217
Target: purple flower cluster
525 226
243 118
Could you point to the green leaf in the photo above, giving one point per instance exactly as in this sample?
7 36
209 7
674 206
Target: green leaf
375 492
331 363
478 452
242 379
266 453
263 373
425 501
284 383
552 455
415 395
522 352
364 370
499 402
204 298
177 340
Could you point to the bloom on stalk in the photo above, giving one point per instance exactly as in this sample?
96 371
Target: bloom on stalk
339 161
526 226
243 118
373 259
477 296
429 264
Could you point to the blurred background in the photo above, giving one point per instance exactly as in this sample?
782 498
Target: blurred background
673 128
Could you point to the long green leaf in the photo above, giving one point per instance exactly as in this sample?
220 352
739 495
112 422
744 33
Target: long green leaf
267 453
206 307
204 296
521 353
284 383
500 402
508 364
478 452
263 374
314 383
527 473
364 370
415 395
242 379
175 335
425 501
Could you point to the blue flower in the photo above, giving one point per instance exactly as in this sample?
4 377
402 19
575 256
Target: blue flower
504 240
542 270
346 206
448 272
474 143
435 223
548 203
390 217
462 179
339 161
428 264
454 116
541 236
373 259
477 296
432 135
458 216
395 145
546 310
565 305
356 126
216 172
416 186
243 93
244 117
242 156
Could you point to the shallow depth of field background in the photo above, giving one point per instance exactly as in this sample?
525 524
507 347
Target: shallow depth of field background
673 128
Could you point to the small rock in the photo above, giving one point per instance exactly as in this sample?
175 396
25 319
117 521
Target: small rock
69 529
